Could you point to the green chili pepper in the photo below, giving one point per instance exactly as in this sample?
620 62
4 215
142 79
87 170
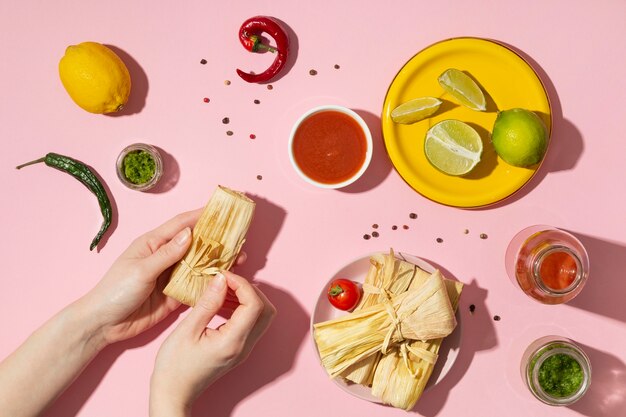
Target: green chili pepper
83 174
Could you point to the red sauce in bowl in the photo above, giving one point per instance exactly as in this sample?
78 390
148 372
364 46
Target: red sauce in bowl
329 147
558 270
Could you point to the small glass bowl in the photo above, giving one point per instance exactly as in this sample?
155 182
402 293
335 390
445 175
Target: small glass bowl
158 168
542 349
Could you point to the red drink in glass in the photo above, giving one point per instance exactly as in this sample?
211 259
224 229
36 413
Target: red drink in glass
549 264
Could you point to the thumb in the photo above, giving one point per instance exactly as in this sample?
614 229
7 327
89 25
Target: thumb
208 304
169 253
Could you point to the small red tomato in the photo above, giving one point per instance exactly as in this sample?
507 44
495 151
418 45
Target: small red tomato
344 294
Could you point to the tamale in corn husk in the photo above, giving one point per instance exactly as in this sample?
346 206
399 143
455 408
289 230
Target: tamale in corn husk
392 275
400 381
217 239
421 314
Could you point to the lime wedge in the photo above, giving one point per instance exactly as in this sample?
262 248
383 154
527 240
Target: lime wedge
415 110
453 147
463 88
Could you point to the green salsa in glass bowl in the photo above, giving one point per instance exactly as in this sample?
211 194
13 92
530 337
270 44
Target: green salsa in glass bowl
139 166
556 370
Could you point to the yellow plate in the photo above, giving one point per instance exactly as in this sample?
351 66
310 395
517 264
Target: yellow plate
508 82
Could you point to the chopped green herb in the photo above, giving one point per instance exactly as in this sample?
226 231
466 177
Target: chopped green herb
560 375
139 167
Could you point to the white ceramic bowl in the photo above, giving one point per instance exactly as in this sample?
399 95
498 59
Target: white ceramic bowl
368 140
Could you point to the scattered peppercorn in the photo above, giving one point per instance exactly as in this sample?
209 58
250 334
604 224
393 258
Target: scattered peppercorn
374 226
337 66
375 234
229 132
413 216
483 236
259 177
227 82
366 237
203 61
270 87
257 102
439 240
466 231
496 318
252 136
405 227
313 72
206 100
472 307
394 227
225 120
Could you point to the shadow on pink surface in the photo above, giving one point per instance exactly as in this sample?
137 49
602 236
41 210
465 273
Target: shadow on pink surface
380 166
272 357
605 289
171 173
267 222
139 84
477 333
566 142
607 395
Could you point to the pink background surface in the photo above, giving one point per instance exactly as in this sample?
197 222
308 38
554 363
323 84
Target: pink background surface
302 235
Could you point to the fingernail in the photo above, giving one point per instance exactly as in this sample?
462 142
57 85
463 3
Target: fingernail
183 236
218 282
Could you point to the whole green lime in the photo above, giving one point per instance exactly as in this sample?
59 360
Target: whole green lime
519 137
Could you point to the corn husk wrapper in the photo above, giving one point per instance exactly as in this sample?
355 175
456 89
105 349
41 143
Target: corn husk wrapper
420 314
400 385
386 275
217 239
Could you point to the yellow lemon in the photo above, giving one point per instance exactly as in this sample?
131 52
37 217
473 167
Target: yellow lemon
95 77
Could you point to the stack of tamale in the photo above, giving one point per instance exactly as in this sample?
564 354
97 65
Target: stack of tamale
391 341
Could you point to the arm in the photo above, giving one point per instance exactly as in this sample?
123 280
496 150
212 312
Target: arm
35 374
194 356
127 301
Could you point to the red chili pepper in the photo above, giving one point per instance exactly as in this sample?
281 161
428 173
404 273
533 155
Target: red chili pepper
250 37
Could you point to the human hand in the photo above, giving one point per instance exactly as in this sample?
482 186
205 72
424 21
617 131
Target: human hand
194 356
129 299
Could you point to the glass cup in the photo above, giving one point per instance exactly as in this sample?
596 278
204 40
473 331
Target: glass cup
548 264
158 169
549 359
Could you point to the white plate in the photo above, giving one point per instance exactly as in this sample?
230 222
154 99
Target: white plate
356 271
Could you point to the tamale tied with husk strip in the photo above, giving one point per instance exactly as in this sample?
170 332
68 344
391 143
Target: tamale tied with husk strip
217 239
423 313
386 275
399 382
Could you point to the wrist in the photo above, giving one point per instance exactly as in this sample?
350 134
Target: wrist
165 409
85 319
162 405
